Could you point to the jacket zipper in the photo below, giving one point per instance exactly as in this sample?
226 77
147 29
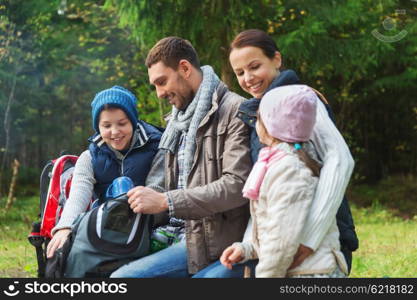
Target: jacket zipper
127 153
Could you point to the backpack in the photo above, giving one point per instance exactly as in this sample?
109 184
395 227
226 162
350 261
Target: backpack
55 184
108 236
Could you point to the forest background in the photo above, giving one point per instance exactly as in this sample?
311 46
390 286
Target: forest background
361 54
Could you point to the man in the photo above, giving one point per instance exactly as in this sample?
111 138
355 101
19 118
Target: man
204 159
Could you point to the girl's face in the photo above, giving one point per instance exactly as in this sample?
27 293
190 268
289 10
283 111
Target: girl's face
115 128
253 69
263 135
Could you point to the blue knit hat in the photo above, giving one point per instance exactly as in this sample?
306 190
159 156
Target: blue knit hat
116 96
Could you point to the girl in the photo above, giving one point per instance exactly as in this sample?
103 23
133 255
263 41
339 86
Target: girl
282 186
256 62
123 145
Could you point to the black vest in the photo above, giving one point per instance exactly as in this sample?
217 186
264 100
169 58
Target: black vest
135 164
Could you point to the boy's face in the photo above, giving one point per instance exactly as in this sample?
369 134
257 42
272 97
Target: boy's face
115 128
171 85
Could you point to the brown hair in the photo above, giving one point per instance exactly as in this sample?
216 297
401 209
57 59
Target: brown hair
170 51
313 165
255 38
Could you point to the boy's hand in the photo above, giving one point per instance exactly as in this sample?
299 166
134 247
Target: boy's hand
57 241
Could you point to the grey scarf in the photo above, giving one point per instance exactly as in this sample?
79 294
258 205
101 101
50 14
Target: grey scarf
190 118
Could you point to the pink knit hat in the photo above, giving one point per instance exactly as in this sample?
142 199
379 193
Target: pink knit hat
289 112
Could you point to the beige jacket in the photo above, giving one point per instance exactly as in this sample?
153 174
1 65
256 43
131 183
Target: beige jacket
278 220
215 211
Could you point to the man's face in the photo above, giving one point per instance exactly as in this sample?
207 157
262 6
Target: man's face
171 84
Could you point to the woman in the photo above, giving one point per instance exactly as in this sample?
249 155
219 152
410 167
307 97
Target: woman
256 62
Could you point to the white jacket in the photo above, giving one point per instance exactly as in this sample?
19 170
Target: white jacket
279 219
337 168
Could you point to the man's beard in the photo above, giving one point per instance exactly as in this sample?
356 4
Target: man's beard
186 100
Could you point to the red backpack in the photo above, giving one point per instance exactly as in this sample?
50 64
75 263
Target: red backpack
55 185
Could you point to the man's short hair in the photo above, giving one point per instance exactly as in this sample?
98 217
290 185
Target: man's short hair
170 51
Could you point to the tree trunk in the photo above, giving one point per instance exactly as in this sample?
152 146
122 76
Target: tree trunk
11 198
227 74
6 124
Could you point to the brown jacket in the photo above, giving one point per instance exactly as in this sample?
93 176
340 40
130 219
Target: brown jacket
215 211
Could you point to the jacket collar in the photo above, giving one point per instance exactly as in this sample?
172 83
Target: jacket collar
286 77
218 94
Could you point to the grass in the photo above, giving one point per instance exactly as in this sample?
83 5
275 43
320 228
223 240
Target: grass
17 255
387 233
387 244
386 223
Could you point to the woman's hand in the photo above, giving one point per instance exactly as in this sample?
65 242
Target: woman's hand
302 253
231 255
57 241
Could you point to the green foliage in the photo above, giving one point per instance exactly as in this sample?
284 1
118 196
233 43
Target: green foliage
398 193
58 54
59 62
333 47
210 26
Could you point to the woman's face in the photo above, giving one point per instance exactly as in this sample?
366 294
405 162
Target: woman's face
115 128
253 69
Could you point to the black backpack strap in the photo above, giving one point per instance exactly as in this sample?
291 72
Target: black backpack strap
348 239
38 241
55 266
44 185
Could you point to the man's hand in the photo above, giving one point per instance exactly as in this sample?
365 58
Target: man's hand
302 253
146 200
